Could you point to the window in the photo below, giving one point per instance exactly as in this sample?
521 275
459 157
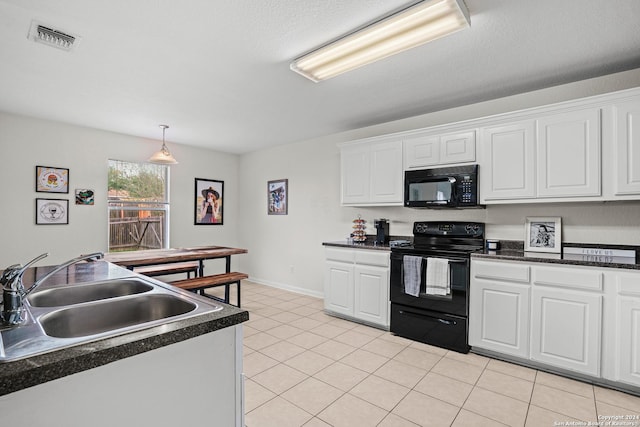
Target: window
138 206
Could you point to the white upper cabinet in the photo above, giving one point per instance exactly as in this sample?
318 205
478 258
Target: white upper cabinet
421 151
430 150
372 173
582 150
386 173
356 172
569 154
508 171
554 157
627 147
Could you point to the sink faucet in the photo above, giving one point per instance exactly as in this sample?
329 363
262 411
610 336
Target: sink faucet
13 291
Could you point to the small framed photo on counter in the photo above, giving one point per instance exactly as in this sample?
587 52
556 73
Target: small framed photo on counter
543 234
52 211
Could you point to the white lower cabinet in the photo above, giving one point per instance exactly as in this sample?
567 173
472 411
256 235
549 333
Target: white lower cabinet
545 313
356 284
339 287
371 293
566 329
627 328
499 315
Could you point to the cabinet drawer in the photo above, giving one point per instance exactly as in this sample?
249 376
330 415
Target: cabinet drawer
372 257
335 254
629 284
500 271
576 278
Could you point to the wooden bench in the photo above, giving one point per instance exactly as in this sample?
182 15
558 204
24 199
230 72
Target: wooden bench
166 269
199 284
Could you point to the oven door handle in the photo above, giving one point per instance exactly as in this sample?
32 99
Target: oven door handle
432 318
452 261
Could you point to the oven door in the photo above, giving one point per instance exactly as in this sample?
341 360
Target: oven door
455 303
433 191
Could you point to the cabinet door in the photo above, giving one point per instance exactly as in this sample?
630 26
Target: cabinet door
421 151
355 171
386 173
629 340
458 147
338 287
508 169
569 154
372 294
566 329
628 148
499 317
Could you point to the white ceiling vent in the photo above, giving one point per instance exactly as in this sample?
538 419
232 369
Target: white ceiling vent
52 37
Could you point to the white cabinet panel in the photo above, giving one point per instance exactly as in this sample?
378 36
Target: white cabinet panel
508 171
338 287
566 329
371 294
629 340
356 171
430 150
372 173
386 173
458 147
421 151
512 272
499 317
569 277
569 154
627 146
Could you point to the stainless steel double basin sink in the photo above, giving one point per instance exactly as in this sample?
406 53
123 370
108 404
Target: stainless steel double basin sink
63 316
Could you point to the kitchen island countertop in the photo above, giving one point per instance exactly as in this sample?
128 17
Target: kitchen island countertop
23 373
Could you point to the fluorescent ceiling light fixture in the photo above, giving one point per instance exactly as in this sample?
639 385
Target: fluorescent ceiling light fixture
411 27
163 157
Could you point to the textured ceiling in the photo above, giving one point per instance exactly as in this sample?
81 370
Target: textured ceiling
217 72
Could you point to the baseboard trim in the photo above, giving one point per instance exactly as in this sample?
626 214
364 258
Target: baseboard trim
286 287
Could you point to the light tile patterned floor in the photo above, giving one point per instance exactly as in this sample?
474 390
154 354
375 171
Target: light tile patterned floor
305 368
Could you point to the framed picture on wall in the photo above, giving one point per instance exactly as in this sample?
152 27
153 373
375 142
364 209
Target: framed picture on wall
208 202
278 197
52 211
52 180
84 196
543 234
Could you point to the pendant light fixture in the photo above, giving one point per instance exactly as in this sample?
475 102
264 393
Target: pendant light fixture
163 157
418 24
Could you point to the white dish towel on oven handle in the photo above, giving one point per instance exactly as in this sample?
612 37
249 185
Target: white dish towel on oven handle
438 281
412 266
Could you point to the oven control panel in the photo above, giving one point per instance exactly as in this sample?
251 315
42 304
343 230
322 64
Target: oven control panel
450 228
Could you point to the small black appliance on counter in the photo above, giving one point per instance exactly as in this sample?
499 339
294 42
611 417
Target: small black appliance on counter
382 234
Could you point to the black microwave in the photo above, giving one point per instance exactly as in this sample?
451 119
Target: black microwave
449 187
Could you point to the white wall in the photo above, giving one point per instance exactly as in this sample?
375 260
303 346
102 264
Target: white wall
286 251
27 142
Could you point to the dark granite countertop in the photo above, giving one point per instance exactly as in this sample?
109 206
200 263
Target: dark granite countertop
514 251
23 373
370 243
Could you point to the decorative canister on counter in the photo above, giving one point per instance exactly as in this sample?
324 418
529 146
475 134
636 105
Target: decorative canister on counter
358 230
493 245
